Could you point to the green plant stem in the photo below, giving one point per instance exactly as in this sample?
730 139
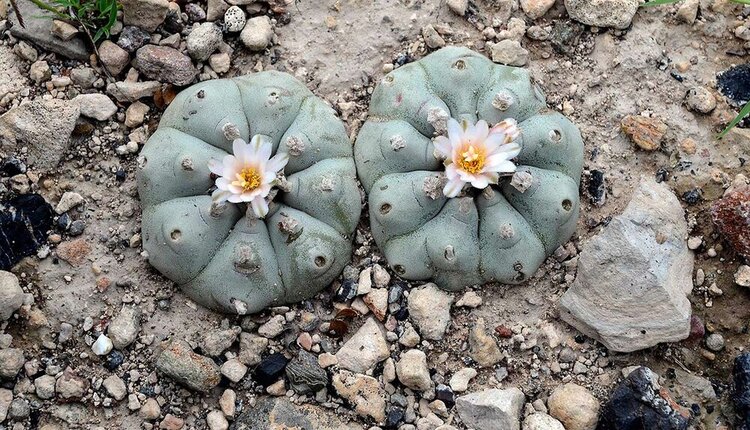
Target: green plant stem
745 111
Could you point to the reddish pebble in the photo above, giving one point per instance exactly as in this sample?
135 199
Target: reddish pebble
697 329
504 331
305 341
731 214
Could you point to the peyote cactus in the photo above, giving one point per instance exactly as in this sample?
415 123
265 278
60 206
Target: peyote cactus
221 257
501 233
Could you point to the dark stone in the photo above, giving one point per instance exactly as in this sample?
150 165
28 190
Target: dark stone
194 12
692 197
565 36
12 166
37 29
346 292
395 416
697 329
446 395
305 374
638 403
173 22
270 369
395 293
77 227
741 392
280 413
121 175
402 313
597 188
132 38
114 360
64 222
25 222
734 83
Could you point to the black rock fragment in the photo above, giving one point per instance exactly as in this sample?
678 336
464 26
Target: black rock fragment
270 369
24 224
741 393
734 83
597 188
639 403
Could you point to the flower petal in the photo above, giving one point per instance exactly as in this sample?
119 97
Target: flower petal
503 167
238 149
220 196
235 198
480 181
480 131
455 131
263 147
277 163
453 188
260 206
442 146
216 167
451 172
222 183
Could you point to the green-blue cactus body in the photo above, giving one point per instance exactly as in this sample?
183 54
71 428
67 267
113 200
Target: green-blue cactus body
501 234
221 258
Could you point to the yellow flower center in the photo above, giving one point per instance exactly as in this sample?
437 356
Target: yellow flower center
472 160
248 179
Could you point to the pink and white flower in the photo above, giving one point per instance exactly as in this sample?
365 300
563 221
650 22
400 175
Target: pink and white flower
249 174
477 154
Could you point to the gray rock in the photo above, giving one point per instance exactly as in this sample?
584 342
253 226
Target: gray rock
216 9
70 386
367 347
11 361
45 387
492 409
280 413
19 409
216 342
113 57
124 328
97 106
179 362
63 30
38 29
43 127
11 295
115 387
83 77
251 348
305 374
146 14
131 91
715 342
634 277
603 13
258 33
430 310
273 327
165 64
509 52
6 397
203 40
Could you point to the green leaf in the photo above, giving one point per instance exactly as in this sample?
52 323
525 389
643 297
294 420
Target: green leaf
743 113
747 2
658 3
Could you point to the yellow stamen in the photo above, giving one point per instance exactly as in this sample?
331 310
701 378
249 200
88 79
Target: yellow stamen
248 179
472 160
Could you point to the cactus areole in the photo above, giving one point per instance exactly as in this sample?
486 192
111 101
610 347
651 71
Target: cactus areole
471 179
249 193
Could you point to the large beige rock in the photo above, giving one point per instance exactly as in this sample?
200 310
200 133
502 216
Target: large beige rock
11 295
603 13
634 277
492 409
367 347
574 406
